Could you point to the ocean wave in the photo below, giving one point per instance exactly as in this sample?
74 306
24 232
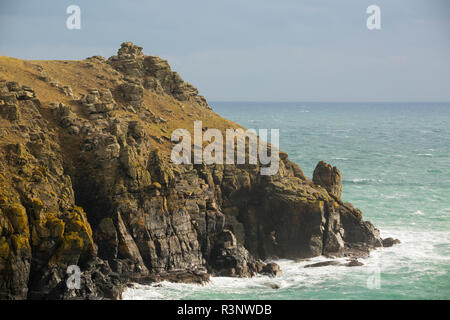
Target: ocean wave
421 256
362 181
425 154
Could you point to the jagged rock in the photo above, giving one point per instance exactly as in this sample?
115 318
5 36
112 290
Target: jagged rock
132 93
389 242
153 84
67 118
13 86
98 102
97 58
328 177
357 230
3 87
129 51
226 239
233 262
271 269
107 240
9 92
354 263
10 112
154 73
333 239
67 90
9 98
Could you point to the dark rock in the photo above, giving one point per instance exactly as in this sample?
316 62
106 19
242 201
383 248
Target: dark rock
328 177
229 259
226 240
354 263
106 239
177 276
323 264
272 269
132 93
389 242
154 73
10 112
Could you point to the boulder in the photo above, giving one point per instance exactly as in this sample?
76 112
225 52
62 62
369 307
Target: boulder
389 242
132 93
328 177
354 263
272 269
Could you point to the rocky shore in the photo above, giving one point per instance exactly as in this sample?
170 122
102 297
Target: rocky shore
86 179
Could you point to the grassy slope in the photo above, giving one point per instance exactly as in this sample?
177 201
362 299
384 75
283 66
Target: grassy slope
81 77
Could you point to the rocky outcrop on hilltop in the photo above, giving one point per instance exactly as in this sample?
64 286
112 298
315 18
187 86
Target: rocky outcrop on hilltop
83 183
152 73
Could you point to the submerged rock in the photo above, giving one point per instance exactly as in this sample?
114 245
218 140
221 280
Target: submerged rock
389 242
323 264
354 263
328 177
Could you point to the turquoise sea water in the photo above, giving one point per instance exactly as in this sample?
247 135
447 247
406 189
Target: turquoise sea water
395 161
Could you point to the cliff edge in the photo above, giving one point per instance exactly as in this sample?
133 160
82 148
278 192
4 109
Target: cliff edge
86 179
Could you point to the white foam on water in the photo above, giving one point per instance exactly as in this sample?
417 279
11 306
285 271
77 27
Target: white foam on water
416 256
425 154
363 181
395 195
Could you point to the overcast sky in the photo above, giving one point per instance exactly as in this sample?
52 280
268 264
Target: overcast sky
255 50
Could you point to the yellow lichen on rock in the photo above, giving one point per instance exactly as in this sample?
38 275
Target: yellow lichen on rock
69 251
4 248
18 217
20 242
71 241
56 227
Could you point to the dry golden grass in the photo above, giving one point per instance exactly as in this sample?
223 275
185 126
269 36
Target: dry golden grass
85 74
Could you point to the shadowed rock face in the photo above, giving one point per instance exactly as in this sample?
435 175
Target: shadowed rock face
80 184
328 177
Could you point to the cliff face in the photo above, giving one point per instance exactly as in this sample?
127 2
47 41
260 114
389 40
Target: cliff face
86 179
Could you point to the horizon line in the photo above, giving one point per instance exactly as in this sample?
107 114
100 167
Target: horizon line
305 101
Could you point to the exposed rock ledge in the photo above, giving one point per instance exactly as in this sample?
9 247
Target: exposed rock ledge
82 183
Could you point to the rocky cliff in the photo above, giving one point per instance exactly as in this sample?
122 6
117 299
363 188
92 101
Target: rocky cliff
86 179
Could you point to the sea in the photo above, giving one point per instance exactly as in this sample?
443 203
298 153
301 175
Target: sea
395 162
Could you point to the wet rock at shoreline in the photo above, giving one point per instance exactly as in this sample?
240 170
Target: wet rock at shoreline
389 242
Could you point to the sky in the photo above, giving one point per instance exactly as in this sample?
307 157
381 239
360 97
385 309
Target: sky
255 50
